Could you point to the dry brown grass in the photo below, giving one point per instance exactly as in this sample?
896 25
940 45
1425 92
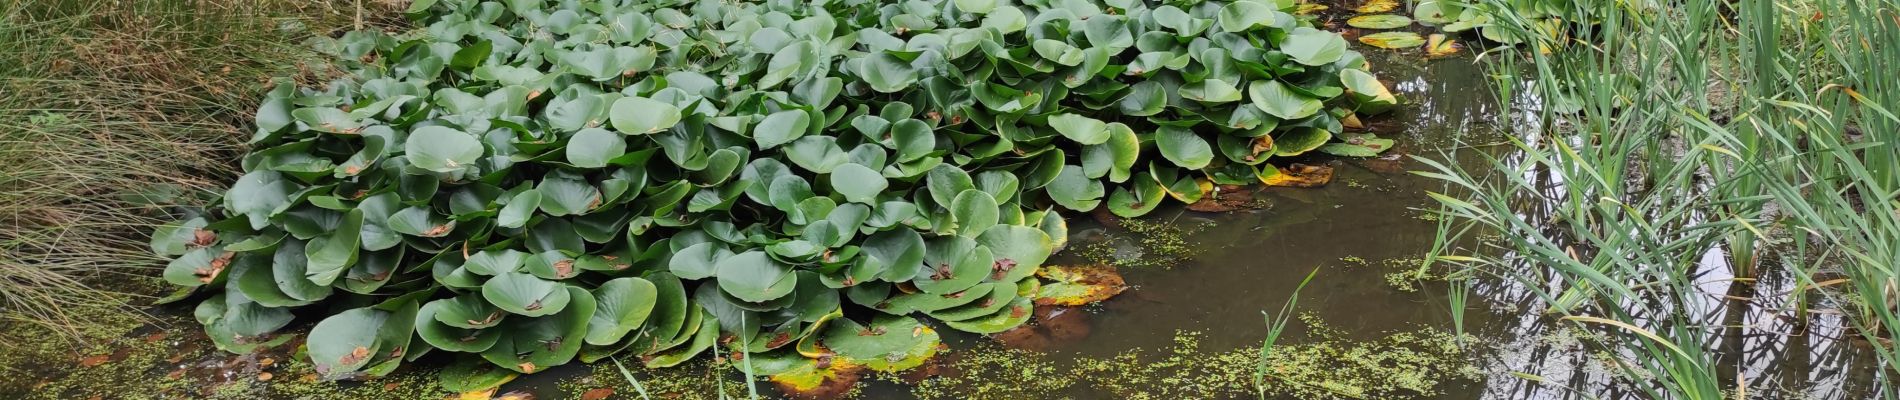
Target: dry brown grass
117 115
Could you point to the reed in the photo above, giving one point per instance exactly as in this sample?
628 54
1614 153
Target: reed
1659 133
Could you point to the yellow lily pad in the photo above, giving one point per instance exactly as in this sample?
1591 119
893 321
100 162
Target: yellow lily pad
1438 45
1393 40
1378 6
1379 21
1079 284
1297 175
824 377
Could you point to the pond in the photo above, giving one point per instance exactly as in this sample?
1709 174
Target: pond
1371 323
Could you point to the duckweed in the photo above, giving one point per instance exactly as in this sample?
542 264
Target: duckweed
1157 244
1402 364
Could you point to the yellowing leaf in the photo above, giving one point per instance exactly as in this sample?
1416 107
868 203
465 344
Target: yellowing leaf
1393 40
1378 6
1438 45
823 377
1299 175
1078 284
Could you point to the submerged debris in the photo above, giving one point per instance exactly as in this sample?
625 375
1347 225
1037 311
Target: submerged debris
1229 198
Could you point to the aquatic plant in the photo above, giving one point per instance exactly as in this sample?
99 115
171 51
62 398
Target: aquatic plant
1690 138
537 182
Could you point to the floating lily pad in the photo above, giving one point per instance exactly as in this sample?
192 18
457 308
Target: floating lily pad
1438 45
997 298
1393 40
927 302
889 343
1075 285
1377 6
1379 21
819 378
1005 319
1297 175
1358 145
470 374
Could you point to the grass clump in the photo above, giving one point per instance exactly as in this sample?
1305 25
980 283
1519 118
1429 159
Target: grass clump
113 111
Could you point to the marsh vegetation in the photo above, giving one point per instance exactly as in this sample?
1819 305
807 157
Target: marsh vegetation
949 199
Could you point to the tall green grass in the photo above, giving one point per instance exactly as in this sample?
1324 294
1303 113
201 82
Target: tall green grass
1661 132
110 111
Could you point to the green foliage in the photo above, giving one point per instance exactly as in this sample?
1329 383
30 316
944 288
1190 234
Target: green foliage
541 182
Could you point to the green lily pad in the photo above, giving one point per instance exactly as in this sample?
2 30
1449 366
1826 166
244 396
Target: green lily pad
1379 21
527 295
1393 40
1015 314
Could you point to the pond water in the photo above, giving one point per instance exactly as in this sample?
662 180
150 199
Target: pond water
1362 233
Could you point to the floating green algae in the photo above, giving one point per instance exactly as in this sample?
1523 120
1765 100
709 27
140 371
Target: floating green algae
1402 364
1148 244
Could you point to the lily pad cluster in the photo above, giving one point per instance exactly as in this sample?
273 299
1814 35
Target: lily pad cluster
531 182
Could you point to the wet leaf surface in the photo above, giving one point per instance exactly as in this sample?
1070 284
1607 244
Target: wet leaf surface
1300 175
1075 285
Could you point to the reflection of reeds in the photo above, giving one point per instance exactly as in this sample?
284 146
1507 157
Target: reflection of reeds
1687 170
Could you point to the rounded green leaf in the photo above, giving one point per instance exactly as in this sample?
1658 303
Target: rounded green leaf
1276 99
1184 148
639 115
621 305
1312 46
432 330
698 261
886 73
525 294
976 6
1015 314
442 149
974 211
1298 141
535 344
858 184
952 264
345 342
1017 251
519 209
780 128
468 311
1211 91
1083 130
593 147
752 276
1074 190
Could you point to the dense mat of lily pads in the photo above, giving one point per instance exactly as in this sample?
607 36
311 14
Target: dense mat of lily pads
530 182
